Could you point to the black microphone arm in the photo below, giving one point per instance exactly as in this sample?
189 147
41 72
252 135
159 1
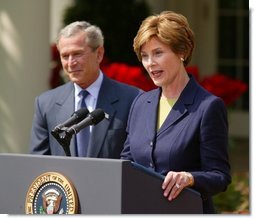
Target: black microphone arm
65 135
92 119
59 131
76 117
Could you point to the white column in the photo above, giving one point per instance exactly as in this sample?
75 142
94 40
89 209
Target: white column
24 62
57 9
206 36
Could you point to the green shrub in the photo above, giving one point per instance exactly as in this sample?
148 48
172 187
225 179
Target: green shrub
236 198
118 20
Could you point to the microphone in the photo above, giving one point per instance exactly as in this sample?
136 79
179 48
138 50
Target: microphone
59 131
92 119
76 117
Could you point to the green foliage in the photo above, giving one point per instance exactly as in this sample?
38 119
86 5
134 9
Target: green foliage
119 21
236 198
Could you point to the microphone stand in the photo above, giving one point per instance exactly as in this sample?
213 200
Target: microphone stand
63 139
64 135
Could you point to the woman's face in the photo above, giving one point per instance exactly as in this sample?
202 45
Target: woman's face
161 63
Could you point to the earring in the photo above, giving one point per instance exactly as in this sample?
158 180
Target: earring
182 59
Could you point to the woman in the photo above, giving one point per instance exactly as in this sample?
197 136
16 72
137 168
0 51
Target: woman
179 130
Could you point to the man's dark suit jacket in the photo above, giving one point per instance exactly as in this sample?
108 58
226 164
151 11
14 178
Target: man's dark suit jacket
193 138
55 106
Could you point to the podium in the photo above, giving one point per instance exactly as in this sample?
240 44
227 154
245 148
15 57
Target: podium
103 186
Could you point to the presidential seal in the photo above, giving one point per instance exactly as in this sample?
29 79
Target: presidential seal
51 193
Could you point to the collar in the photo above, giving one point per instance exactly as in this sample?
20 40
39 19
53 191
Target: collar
93 89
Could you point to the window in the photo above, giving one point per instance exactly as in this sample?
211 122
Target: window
233 43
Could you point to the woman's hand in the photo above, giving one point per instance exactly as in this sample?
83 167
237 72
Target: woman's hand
175 182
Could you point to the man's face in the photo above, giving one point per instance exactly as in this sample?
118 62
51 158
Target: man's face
79 61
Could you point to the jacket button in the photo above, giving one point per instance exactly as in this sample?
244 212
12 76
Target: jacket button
151 144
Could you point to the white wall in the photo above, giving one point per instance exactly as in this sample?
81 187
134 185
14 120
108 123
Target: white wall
24 61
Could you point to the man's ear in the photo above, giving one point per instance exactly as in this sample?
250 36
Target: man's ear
100 53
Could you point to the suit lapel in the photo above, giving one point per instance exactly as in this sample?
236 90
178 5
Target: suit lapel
181 106
65 105
107 96
97 138
177 112
150 113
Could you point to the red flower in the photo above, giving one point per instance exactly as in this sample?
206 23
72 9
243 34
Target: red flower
225 87
220 85
132 75
56 67
194 71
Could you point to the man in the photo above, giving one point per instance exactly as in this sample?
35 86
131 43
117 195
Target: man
81 49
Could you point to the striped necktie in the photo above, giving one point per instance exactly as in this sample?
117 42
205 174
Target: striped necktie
83 136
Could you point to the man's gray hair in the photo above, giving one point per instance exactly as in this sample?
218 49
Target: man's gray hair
94 36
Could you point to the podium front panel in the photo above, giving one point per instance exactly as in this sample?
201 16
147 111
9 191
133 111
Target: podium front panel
104 186
97 181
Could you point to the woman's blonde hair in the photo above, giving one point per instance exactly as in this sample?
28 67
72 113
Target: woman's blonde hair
172 29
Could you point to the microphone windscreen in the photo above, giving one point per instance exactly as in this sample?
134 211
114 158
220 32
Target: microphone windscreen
81 114
97 116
